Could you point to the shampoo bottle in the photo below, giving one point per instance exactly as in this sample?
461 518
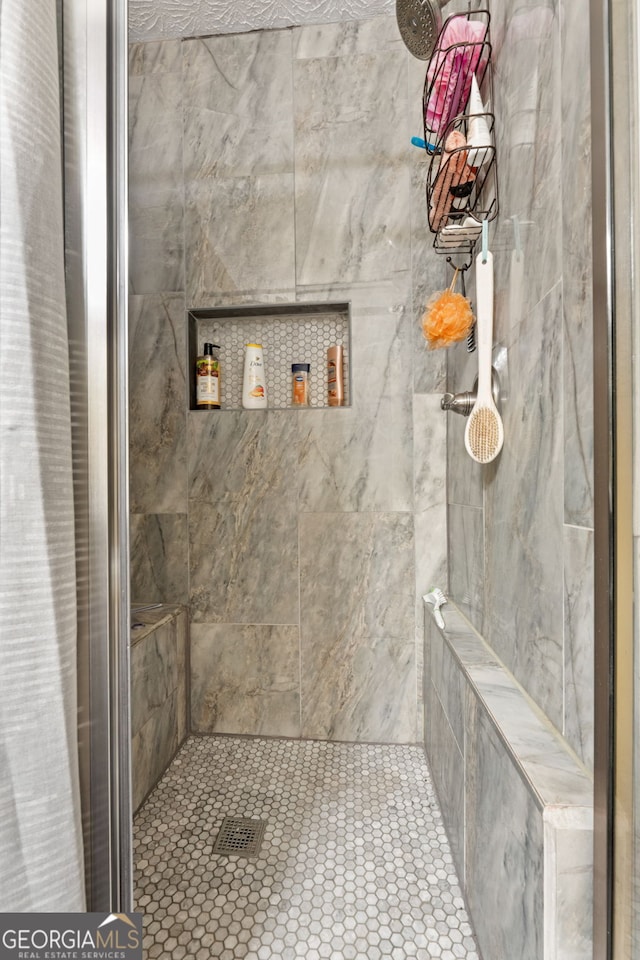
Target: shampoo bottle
254 390
208 378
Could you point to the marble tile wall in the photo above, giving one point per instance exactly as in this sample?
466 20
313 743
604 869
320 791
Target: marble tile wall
521 530
159 680
303 541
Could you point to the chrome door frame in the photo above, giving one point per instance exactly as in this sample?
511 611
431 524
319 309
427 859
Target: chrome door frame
614 102
94 44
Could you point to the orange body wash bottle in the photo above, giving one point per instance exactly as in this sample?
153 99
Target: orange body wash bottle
335 376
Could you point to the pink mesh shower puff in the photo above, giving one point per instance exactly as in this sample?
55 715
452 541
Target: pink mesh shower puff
461 51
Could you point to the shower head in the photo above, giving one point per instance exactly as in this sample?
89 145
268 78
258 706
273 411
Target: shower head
419 22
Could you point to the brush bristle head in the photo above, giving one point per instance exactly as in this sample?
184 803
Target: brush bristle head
484 435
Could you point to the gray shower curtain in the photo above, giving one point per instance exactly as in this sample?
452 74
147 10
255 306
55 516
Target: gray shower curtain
41 857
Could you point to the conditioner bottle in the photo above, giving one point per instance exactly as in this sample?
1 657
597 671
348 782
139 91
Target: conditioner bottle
254 390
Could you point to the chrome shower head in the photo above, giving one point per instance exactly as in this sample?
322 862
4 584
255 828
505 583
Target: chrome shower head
419 22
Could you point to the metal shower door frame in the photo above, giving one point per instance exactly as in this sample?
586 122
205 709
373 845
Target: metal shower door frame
94 74
615 104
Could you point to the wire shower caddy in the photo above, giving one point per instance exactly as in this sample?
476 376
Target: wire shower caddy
462 183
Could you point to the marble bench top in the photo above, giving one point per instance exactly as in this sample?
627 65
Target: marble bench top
558 780
151 616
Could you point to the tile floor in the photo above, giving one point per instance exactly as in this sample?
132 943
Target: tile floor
354 865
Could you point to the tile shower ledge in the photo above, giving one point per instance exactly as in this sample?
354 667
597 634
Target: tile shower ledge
151 617
159 658
554 775
516 799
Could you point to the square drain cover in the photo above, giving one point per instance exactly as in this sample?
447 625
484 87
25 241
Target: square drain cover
240 837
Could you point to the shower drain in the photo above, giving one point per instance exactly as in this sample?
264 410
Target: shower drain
240 837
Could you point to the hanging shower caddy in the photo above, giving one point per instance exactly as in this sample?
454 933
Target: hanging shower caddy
459 135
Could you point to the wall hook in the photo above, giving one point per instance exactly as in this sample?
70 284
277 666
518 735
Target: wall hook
460 267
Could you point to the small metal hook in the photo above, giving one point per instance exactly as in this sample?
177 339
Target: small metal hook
461 267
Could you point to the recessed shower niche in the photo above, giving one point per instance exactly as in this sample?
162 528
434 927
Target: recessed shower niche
289 333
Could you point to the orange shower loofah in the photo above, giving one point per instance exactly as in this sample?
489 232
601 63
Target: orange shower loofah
448 318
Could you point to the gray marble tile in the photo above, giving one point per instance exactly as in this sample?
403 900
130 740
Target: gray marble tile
184 696
447 768
243 467
239 236
430 454
356 461
369 697
504 854
524 494
578 402
466 559
357 626
420 672
346 39
464 641
245 679
155 57
156 195
159 558
569 927
350 556
238 94
253 296
529 130
431 558
152 749
157 404
449 685
577 267
428 690
550 770
352 176
154 674
148 618
360 458
156 241
578 641
241 455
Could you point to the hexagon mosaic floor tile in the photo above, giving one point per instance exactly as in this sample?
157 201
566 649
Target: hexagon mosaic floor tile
354 863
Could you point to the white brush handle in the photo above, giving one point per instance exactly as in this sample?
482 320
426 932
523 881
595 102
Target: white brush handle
483 435
484 325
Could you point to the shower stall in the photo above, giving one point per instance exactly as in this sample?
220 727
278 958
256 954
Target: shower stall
277 559
271 166
271 169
